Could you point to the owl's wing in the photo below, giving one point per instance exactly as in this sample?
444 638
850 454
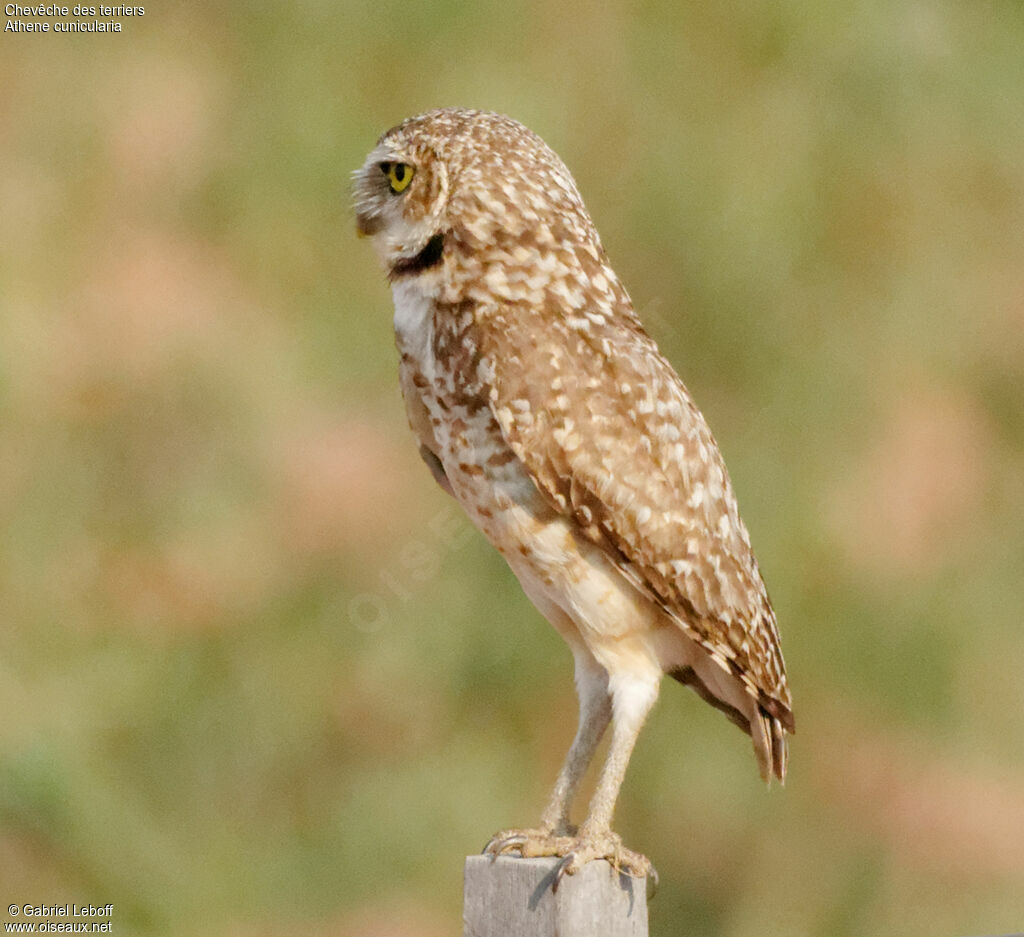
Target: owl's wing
609 433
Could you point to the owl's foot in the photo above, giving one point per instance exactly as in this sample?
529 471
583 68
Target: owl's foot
575 851
604 845
531 843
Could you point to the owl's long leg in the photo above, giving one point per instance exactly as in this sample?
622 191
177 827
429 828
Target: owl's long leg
595 713
632 699
551 838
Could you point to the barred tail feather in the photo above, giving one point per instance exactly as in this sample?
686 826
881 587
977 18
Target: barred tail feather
770 747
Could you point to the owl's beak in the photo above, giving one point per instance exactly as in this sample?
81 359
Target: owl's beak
367 225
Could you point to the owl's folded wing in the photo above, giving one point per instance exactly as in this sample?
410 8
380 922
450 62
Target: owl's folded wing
609 433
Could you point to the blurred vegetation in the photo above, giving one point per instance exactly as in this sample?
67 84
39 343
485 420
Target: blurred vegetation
257 674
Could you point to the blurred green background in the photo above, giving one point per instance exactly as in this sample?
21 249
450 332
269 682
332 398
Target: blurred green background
257 674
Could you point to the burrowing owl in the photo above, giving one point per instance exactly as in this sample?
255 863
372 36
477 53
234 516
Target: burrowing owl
543 407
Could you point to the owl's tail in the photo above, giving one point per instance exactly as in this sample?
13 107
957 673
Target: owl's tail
770 746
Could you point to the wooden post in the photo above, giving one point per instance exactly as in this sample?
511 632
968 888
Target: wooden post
512 897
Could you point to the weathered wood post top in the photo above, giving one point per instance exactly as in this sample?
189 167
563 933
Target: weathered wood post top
509 896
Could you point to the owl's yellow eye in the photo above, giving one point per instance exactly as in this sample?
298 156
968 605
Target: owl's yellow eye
399 175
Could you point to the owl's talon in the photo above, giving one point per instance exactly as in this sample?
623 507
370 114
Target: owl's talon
499 843
563 869
652 882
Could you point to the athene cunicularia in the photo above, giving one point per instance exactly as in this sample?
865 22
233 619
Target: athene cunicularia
543 407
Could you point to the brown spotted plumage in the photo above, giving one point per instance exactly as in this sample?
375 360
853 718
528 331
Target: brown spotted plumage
544 408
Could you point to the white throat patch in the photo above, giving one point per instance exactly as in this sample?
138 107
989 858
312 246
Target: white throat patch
414 323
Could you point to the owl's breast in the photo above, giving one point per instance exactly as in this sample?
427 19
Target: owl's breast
449 410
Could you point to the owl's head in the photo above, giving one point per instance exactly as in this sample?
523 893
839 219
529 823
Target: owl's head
457 180
401 194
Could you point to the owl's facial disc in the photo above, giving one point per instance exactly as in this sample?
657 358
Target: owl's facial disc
382 183
400 198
